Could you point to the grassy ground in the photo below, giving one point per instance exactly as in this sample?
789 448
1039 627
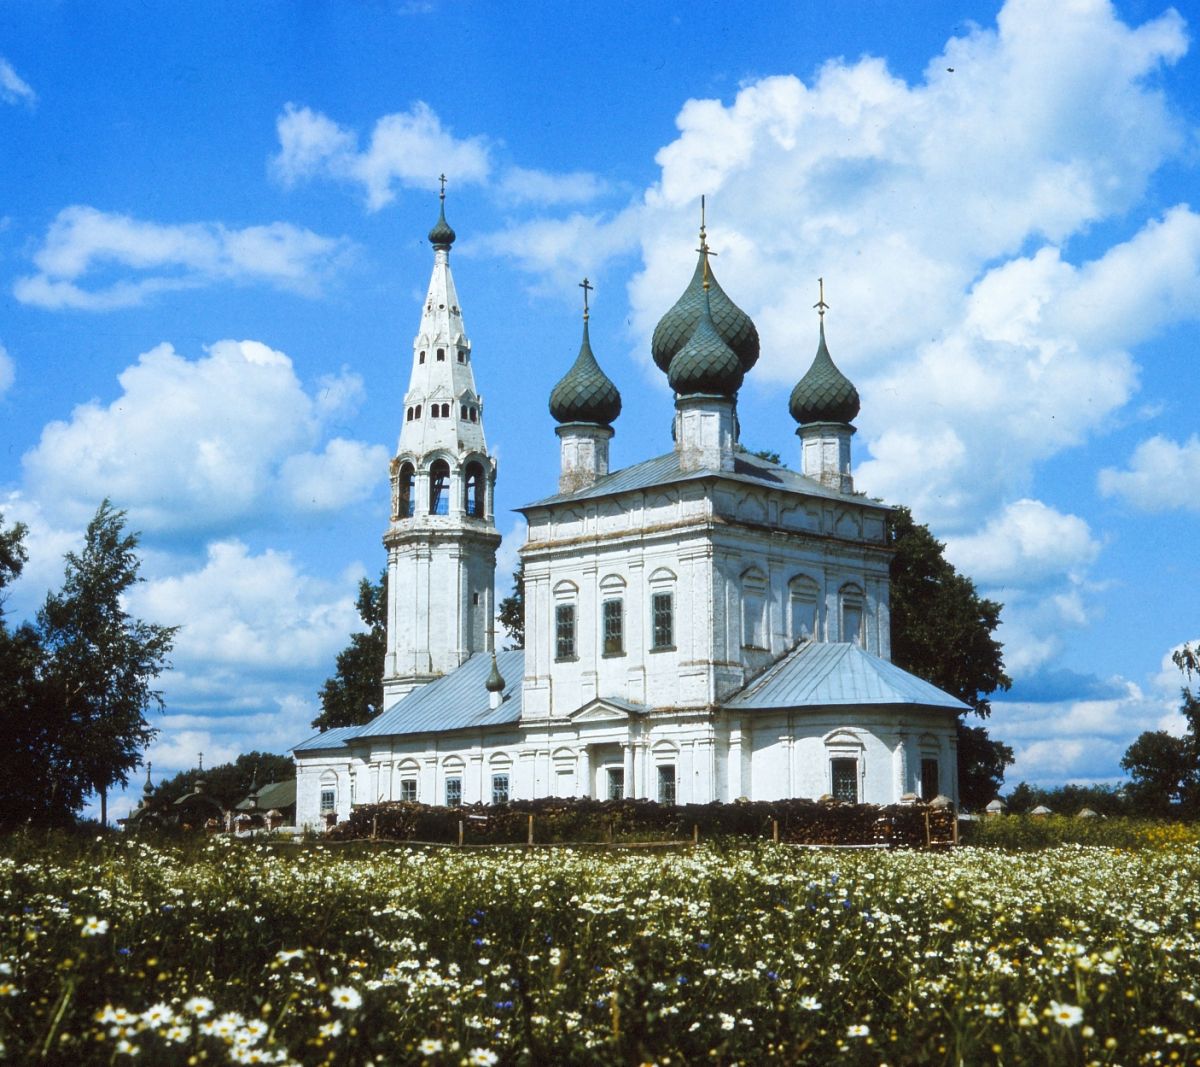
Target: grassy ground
222 952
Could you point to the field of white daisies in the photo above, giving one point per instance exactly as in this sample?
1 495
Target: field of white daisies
117 950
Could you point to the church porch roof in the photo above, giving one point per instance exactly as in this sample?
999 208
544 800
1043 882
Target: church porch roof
832 674
335 738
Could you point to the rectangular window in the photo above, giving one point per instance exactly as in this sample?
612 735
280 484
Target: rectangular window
353 789
564 631
844 773
614 625
499 788
852 623
666 783
616 782
804 618
929 779
328 801
454 792
663 621
752 621
408 790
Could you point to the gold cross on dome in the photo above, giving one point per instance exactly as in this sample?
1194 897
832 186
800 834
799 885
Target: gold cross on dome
820 305
587 287
442 180
704 250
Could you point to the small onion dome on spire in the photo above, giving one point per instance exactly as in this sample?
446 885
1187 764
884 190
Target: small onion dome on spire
730 321
495 681
707 363
824 394
442 236
585 393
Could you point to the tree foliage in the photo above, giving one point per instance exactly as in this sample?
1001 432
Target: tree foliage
943 631
511 612
100 662
227 783
1164 770
354 695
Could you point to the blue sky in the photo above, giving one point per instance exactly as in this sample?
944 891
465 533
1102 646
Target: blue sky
212 257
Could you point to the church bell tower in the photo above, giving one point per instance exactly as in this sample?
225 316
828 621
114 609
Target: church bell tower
442 539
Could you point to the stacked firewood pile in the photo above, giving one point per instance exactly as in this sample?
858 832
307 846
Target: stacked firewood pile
586 821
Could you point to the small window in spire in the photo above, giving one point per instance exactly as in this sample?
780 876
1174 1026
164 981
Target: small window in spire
422 359
474 414
464 413
462 356
408 417
441 355
418 414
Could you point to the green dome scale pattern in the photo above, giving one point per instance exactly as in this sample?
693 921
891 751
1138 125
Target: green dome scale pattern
585 393
824 394
706 364
732 324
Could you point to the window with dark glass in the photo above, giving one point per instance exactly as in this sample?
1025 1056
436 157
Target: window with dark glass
929 779
499 788
462 356
441 355
328 800
404 502
463 413
408 790
663 620
422 359
616 783
564 631
453 792
473 491
614 627
844 775
418 414
666 783
439 482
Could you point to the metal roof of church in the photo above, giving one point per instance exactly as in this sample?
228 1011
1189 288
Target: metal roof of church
456 701
334 738
664 470
820 674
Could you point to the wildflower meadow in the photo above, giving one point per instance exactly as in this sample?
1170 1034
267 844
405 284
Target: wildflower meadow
119 950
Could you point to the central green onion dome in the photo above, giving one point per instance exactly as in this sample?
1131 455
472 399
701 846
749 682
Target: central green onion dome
824 394
706 364
730 321
585 393
442 236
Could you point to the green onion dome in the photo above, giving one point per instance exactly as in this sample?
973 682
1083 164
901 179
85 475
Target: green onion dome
495 680
707 363
824 394
731 322
585 393
442 236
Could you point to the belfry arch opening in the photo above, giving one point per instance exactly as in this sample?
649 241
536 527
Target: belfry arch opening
439 488
474 503
404 495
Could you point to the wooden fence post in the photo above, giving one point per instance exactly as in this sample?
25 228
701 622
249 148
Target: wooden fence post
460 833
529 837
775 830
374 827
695 833
928 836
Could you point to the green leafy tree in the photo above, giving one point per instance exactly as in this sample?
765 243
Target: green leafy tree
511 611
354 695
943 631
1164 770
100 663
227 783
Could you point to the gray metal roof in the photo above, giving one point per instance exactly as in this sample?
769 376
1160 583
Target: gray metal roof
664 470
274 795
822 674
456 701
334 738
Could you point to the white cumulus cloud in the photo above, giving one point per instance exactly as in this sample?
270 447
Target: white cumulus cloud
149 258
1162 475
408 150
194 445
13 88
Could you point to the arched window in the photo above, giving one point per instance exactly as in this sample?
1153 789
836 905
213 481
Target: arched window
422 359
462 356
852 603
445 411
418 414
802 598
441 355
463 415
474 415
754 609
473 495
439 488
404 506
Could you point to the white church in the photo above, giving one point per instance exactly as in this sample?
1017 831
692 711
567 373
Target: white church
701 626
